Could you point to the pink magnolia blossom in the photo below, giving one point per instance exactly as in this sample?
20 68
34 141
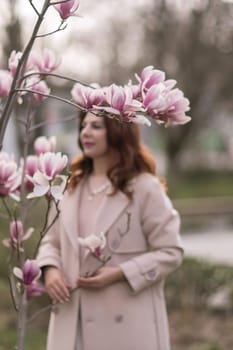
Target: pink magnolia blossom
10 177
165 105
67 8
46 61
17 235
149 77
34 290
95 244
86 96
40 86
5 83
31 166
13 61
135 88
43 144
29 273
49 166
120 102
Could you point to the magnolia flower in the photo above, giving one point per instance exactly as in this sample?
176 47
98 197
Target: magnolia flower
29 273
67 8
46 61
86 96
34 290
39 86
134 88
5 83
16 235
10 177
45 178
43 144
139 119
150 77
13 61
166 105
31 166
120 101
94 243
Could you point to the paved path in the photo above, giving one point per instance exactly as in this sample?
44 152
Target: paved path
214 246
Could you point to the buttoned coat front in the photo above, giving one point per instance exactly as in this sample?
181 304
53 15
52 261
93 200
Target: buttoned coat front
143 239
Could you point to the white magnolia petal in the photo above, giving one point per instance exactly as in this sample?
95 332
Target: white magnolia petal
6 242
140 119
40 178
18 273
38 191
15 197
28 233
109 110
57 192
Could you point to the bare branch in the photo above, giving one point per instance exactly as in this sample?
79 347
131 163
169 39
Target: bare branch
52 96
34 8
56 76
60 28
39 125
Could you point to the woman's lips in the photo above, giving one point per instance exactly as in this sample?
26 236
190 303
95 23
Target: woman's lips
88 144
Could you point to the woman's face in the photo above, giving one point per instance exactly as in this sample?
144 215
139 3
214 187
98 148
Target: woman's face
93 136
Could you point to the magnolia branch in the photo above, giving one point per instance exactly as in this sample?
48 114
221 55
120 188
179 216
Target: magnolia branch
34 8
52 96
39 125
60 28
22 62
56 76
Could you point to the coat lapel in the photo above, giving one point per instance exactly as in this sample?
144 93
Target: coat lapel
110 210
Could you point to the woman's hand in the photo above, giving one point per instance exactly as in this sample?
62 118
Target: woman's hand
102 278
56 284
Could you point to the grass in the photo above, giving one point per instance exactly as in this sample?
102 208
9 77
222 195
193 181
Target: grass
197 184
36 339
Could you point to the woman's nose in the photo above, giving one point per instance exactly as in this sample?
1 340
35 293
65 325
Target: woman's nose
86 130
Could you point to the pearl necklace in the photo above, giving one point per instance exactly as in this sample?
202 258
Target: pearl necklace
100 189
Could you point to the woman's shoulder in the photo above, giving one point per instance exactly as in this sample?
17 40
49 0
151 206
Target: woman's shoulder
146 180
146 183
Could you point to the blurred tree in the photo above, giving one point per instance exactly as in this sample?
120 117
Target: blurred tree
193 44
12 31
191 41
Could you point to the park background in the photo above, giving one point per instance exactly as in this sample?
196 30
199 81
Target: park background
192 41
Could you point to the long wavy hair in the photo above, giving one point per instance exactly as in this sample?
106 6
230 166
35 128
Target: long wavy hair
133 156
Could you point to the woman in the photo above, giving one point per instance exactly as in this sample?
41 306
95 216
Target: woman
113 191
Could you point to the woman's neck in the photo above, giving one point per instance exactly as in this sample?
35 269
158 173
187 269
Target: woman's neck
100 167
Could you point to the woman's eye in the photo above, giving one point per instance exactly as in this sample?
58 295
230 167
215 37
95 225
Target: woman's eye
97 126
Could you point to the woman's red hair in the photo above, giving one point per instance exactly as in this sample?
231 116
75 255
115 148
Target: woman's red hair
134 157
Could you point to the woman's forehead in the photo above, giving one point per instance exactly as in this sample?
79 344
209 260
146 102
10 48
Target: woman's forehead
92 117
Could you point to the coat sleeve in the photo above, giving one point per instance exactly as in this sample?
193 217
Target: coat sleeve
49 250
160 224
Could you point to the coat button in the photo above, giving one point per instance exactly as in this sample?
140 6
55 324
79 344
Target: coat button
151 274
118 318
115 244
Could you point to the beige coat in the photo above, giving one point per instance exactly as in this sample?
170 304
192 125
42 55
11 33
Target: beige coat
126 315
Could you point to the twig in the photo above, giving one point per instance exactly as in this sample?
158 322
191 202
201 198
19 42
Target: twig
7 208
13 289
52 96
67 119
56 76
34 8
45 229
53 32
